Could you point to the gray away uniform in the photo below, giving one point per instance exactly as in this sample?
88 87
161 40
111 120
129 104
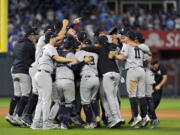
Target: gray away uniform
64 87
89 84
65 80
33 68
149 80
44 83
135 80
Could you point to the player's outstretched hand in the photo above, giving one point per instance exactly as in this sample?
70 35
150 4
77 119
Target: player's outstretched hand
87 59
77 20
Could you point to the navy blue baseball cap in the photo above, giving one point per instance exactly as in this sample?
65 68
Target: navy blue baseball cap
129 34
70 37
82 35
76 44
67 43
123 30
49 28
87 42
30 31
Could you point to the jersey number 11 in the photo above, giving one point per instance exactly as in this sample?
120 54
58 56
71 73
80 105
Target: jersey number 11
137 53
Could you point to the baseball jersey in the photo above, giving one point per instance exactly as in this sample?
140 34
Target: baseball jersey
149 74
159 73
91 67
134 56
45 61
118 50
63 70
39 49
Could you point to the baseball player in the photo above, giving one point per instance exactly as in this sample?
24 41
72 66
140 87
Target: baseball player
89 85
114 39
160 74
55 97
45 69
76 115
65 81
149 80
149 88
24 56
110 72
27 120
135 80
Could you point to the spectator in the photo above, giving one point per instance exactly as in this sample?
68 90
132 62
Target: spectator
170 23
177 23
94 12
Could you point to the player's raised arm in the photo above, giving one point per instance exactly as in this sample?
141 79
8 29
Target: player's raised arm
63 30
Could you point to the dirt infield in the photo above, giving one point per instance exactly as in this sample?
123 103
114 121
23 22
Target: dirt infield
126 113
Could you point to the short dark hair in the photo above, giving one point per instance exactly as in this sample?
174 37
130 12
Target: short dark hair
48 36
154 62
139 37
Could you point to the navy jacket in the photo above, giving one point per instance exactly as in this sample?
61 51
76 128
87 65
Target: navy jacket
23 56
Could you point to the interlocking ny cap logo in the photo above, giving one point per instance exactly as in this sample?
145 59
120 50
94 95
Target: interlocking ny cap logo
154 40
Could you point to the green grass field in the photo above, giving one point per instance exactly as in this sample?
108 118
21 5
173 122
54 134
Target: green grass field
166 127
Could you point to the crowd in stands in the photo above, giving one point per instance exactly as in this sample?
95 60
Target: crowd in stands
95 13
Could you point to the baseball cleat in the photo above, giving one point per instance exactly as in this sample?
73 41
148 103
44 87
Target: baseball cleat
136 120
50 126
154 123
138 125
75 120
131 120
90 126
104 119
19 120
11 120
80 120
98 121
143 122
65 126
36 125
27 121
115 123
146 120
122 121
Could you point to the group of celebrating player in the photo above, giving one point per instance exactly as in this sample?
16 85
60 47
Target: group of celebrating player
67 71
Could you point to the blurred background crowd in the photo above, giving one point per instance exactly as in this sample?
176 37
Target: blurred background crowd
95 13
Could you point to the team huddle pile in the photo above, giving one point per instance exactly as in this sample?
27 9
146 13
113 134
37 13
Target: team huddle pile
65 71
